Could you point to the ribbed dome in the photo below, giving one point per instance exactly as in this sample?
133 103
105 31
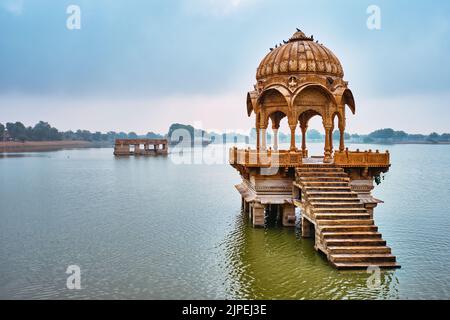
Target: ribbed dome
300 55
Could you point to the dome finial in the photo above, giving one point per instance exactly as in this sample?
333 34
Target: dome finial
299 35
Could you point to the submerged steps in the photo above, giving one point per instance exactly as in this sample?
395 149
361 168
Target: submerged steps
345 230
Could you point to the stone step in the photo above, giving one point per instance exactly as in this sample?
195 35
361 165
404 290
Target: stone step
331 193
323 188
361 257
323 174
307 164
355 242
342 216
349 228
351 235
364 265
339 210
324 183
334 199
319 169
326 179
358 249
345 222
342 204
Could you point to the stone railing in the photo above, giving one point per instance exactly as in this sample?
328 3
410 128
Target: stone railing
361 158
139 141
267 158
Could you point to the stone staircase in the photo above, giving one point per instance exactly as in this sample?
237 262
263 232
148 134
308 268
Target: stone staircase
344 230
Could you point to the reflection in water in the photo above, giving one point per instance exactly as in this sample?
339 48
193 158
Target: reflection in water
275 263
20 155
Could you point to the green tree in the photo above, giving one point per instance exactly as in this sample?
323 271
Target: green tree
132 135
2 131
337 135
41 131
313 134
85 135
434 137
17 131
97 136
400 135
69 135
382 134
445 137
152 135
121 135
54 134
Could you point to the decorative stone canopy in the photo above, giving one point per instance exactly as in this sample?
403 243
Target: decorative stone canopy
300 55
298 80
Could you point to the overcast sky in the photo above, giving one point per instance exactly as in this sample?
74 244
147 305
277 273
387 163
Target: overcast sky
141 65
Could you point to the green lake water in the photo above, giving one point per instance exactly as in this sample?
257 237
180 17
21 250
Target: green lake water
155 228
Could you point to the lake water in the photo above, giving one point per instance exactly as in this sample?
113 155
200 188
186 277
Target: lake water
153 228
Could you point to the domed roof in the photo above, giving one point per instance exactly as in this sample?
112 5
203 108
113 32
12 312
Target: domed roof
300 55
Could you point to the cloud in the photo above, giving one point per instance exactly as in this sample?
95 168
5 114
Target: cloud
14 6
214 7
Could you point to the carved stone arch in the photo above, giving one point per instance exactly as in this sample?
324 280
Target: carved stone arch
306 115
349 100
340 116
320 91
251 102
273 92
272 100
276 117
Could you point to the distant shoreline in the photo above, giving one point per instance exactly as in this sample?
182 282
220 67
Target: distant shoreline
37 146
394 143
40 146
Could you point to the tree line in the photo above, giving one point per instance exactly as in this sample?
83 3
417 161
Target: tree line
43 131
391 136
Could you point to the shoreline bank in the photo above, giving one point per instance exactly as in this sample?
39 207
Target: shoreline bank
38 146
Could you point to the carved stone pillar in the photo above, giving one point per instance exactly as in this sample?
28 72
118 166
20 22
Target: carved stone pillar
327 149
341 138
304 128
263 139
331 139
275 139
293 127
257 132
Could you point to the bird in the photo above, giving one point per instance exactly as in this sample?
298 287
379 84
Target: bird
271 49
276 46
284 41
298 30
312 37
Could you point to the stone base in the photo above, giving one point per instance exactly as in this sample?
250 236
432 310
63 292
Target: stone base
307 228
288 219
258 216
